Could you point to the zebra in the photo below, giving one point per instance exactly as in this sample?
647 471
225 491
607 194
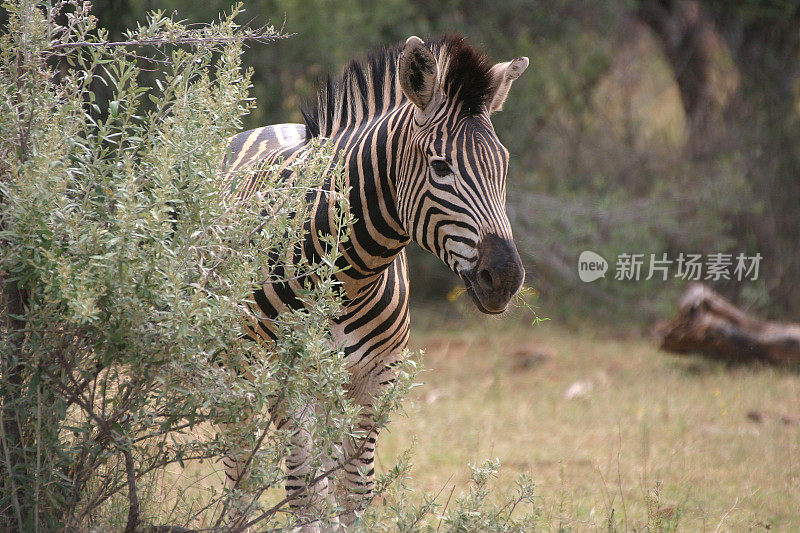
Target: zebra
424 164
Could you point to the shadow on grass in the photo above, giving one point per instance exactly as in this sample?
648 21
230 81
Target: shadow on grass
698 364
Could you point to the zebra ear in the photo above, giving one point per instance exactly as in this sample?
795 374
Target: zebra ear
503 74
418 72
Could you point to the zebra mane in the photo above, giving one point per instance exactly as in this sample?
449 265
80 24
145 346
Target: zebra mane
345 100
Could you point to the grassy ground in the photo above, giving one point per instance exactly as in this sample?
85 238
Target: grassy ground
651 436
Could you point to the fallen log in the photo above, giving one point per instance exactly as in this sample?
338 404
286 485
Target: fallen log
709 324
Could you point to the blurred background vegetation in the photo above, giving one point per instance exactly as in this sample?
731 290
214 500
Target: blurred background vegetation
642 127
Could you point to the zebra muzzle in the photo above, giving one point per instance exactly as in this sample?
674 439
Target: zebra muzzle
497 275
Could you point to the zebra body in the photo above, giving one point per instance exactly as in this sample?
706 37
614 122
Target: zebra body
422 162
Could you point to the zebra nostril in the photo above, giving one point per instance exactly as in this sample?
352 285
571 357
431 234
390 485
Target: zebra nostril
485 279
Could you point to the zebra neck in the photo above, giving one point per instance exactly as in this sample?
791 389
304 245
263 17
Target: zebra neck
372 158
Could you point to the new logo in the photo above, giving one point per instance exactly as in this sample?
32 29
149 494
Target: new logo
591 266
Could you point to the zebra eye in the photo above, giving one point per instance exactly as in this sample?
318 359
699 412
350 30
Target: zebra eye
440 167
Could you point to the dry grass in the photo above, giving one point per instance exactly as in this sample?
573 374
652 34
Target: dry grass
660 440
648 440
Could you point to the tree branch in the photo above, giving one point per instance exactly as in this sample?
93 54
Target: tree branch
261 35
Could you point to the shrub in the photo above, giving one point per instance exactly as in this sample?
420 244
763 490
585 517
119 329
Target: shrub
125 277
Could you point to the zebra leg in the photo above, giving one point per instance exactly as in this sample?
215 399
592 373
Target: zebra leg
355 486
306 483
358 480
241 502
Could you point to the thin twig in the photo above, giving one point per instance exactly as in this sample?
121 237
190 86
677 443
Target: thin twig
444 510
619 480
722 520
163 41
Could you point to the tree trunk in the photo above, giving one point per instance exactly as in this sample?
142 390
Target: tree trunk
709 324
12 449
692 46
750 120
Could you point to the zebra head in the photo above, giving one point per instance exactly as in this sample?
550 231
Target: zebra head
451 189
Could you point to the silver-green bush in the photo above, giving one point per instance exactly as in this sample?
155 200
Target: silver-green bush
125 276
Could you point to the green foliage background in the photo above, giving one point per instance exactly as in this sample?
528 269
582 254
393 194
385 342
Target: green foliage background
603 153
